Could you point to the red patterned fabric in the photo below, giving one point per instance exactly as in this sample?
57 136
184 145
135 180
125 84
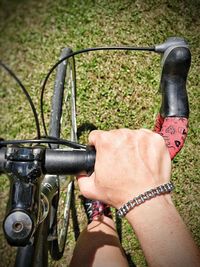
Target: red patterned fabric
174 131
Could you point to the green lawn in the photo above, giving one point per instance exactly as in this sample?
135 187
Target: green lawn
115 89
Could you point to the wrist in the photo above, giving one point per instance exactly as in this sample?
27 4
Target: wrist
146 196
150 210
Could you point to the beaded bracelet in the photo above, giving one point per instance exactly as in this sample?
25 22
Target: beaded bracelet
136 201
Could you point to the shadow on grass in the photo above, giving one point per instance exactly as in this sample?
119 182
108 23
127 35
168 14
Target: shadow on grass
85 127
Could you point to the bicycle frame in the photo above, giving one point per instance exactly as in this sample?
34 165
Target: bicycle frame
32 193
29 223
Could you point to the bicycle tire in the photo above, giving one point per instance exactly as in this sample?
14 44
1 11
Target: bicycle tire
64 92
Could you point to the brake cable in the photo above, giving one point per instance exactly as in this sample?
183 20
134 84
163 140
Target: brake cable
150 49
13 75
46 140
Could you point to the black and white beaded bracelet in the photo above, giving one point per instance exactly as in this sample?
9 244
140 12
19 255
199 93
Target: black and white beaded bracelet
136 201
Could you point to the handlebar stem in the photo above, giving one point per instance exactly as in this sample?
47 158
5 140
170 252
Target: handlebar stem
24 167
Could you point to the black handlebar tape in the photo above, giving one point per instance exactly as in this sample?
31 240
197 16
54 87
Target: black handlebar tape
69 162
176 64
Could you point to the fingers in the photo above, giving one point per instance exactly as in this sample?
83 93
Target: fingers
87 186
118 153
172 129
98 136
94 136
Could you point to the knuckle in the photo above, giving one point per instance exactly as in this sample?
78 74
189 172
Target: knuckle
85 192
159 139
143 134
127 134
93 133
94 136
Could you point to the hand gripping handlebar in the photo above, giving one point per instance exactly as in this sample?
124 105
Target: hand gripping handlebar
171 122
28 164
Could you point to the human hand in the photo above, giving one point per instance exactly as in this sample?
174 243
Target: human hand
128 163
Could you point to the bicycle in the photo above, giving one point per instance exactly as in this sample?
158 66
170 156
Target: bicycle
32 220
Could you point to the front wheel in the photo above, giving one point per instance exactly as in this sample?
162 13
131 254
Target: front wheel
62 125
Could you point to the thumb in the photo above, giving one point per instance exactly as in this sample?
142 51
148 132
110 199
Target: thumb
87 186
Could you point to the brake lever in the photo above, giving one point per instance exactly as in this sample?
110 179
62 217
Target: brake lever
172 122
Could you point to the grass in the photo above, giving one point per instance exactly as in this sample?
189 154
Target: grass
115 89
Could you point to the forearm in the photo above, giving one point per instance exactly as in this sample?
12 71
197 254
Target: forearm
98 245
139 160
163 236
